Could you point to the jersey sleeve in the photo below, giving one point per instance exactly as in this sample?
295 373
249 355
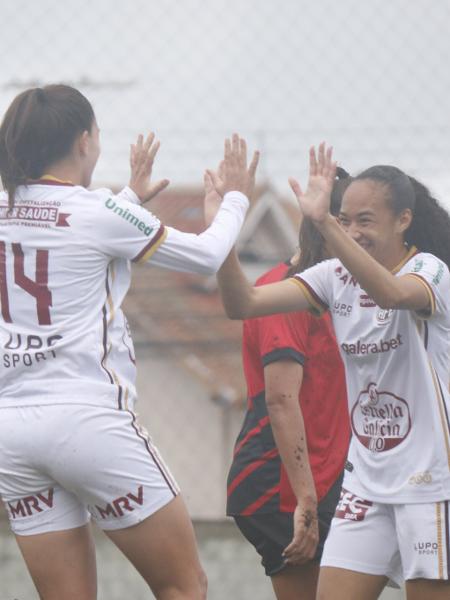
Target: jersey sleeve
316 285
283 336
127 193
125 229
203 253
434 275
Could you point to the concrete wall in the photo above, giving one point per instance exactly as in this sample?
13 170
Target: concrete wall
194 435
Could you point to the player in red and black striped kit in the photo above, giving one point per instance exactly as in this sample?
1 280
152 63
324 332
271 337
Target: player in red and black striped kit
285 478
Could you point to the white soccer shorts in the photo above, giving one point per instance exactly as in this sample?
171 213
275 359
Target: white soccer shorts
62 464
400 541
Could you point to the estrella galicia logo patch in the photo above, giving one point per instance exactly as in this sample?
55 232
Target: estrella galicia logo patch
380 420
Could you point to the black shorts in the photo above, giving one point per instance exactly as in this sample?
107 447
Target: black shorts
271 533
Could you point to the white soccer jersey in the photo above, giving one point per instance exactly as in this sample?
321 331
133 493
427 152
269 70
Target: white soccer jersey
65 257
397 372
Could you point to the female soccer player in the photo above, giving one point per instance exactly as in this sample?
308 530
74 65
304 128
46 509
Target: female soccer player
290 453
388 294
70 445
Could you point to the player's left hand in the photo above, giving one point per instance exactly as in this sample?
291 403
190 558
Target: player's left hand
315 202
142 156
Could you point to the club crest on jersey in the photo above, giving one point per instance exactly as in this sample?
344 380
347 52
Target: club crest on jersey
380 420
384 315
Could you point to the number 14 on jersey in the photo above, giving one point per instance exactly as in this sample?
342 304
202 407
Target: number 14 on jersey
12 256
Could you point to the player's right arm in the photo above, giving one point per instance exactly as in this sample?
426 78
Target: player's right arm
127 230
204 253
242 300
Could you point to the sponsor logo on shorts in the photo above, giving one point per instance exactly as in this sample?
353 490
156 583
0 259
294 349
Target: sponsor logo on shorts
380 420
30 505
426 547
363 349
129 216
420 478
342 310
121 505
351 507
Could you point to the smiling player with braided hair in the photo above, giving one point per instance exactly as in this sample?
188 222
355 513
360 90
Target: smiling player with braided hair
395 343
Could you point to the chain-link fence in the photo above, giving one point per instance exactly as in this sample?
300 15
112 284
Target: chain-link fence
371 78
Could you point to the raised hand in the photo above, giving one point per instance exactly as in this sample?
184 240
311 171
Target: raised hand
142 156
236 176
315 202
213 199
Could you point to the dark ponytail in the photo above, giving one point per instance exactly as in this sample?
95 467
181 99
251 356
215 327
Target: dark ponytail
311 242
430 227
38 129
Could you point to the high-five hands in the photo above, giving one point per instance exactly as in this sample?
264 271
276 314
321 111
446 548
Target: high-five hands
142 156
315 202
235 175
213 199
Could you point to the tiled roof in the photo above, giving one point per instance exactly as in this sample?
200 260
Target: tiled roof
168 312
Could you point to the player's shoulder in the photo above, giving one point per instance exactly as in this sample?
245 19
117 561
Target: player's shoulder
328 265
100 200
426 264
98 196
76 194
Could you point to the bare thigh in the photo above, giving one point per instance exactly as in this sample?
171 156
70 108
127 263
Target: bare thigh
296 583
61 563
418 589
164 551
343 584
